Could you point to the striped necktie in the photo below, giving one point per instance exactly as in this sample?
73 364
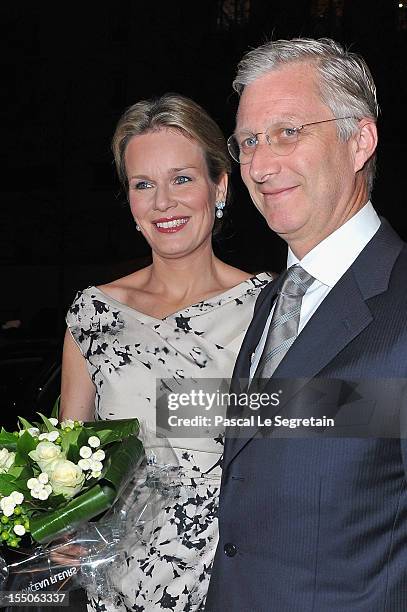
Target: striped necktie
284 323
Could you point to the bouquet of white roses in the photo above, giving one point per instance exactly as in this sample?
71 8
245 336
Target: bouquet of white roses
56 475
87 483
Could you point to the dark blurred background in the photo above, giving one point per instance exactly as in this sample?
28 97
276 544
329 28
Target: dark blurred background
68 72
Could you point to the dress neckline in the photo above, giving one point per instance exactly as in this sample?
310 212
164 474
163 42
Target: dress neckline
199 308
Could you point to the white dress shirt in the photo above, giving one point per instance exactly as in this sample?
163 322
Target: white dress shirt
327 262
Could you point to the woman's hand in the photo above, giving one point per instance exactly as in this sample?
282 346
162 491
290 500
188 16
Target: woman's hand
63 553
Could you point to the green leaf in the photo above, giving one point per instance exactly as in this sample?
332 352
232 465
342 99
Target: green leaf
26 443
3 431
26 424
22 472
81 440
71 442
8 484
20 460
47 423
7 440
121 465
55 409
42 507
55 501
21 485
68 439
82 508
113 431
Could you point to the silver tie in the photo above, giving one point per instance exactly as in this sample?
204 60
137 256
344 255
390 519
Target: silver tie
284 323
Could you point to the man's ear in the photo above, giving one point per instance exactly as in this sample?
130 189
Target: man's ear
365 143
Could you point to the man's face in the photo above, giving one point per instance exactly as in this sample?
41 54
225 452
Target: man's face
308 194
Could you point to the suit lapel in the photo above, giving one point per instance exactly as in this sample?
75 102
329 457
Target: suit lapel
339 319
252 338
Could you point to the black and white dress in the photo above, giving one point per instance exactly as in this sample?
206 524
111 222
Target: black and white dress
126 352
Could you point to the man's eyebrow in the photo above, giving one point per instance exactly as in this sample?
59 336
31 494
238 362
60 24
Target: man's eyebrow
275 120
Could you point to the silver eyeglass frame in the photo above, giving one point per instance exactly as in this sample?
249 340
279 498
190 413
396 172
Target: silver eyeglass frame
296 128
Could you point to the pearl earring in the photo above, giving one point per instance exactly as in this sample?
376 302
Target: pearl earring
219 208
138 228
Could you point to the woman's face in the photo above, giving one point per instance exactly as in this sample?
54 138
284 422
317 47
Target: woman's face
171 195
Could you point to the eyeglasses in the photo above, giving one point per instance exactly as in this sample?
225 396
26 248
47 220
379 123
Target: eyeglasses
281 137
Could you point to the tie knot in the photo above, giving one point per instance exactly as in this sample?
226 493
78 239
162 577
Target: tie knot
297 281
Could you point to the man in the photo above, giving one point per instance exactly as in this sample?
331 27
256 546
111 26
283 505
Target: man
316 523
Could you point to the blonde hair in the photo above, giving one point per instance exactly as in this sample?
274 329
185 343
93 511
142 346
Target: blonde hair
175 112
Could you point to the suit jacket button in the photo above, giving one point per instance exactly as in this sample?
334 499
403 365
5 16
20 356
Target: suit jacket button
230 549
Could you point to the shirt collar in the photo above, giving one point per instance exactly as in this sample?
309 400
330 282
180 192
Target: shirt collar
330 259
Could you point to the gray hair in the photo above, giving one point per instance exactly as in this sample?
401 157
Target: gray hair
346 85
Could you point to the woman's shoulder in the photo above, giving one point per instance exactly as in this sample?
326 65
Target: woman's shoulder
86 305
120 288
233 277
81 300
241 292
95 300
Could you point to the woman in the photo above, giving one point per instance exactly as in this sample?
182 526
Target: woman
182 317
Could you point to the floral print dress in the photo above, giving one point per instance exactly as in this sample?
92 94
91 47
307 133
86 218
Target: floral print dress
126 351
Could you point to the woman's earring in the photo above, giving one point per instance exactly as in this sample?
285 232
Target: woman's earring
219 208
138 228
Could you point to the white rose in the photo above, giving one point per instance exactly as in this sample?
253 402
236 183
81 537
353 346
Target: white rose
66 478
45 454
6 460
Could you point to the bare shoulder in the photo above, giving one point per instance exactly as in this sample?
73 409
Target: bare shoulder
119 289
231 276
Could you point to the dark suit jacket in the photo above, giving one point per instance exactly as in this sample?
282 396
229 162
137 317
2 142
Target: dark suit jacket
320 524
